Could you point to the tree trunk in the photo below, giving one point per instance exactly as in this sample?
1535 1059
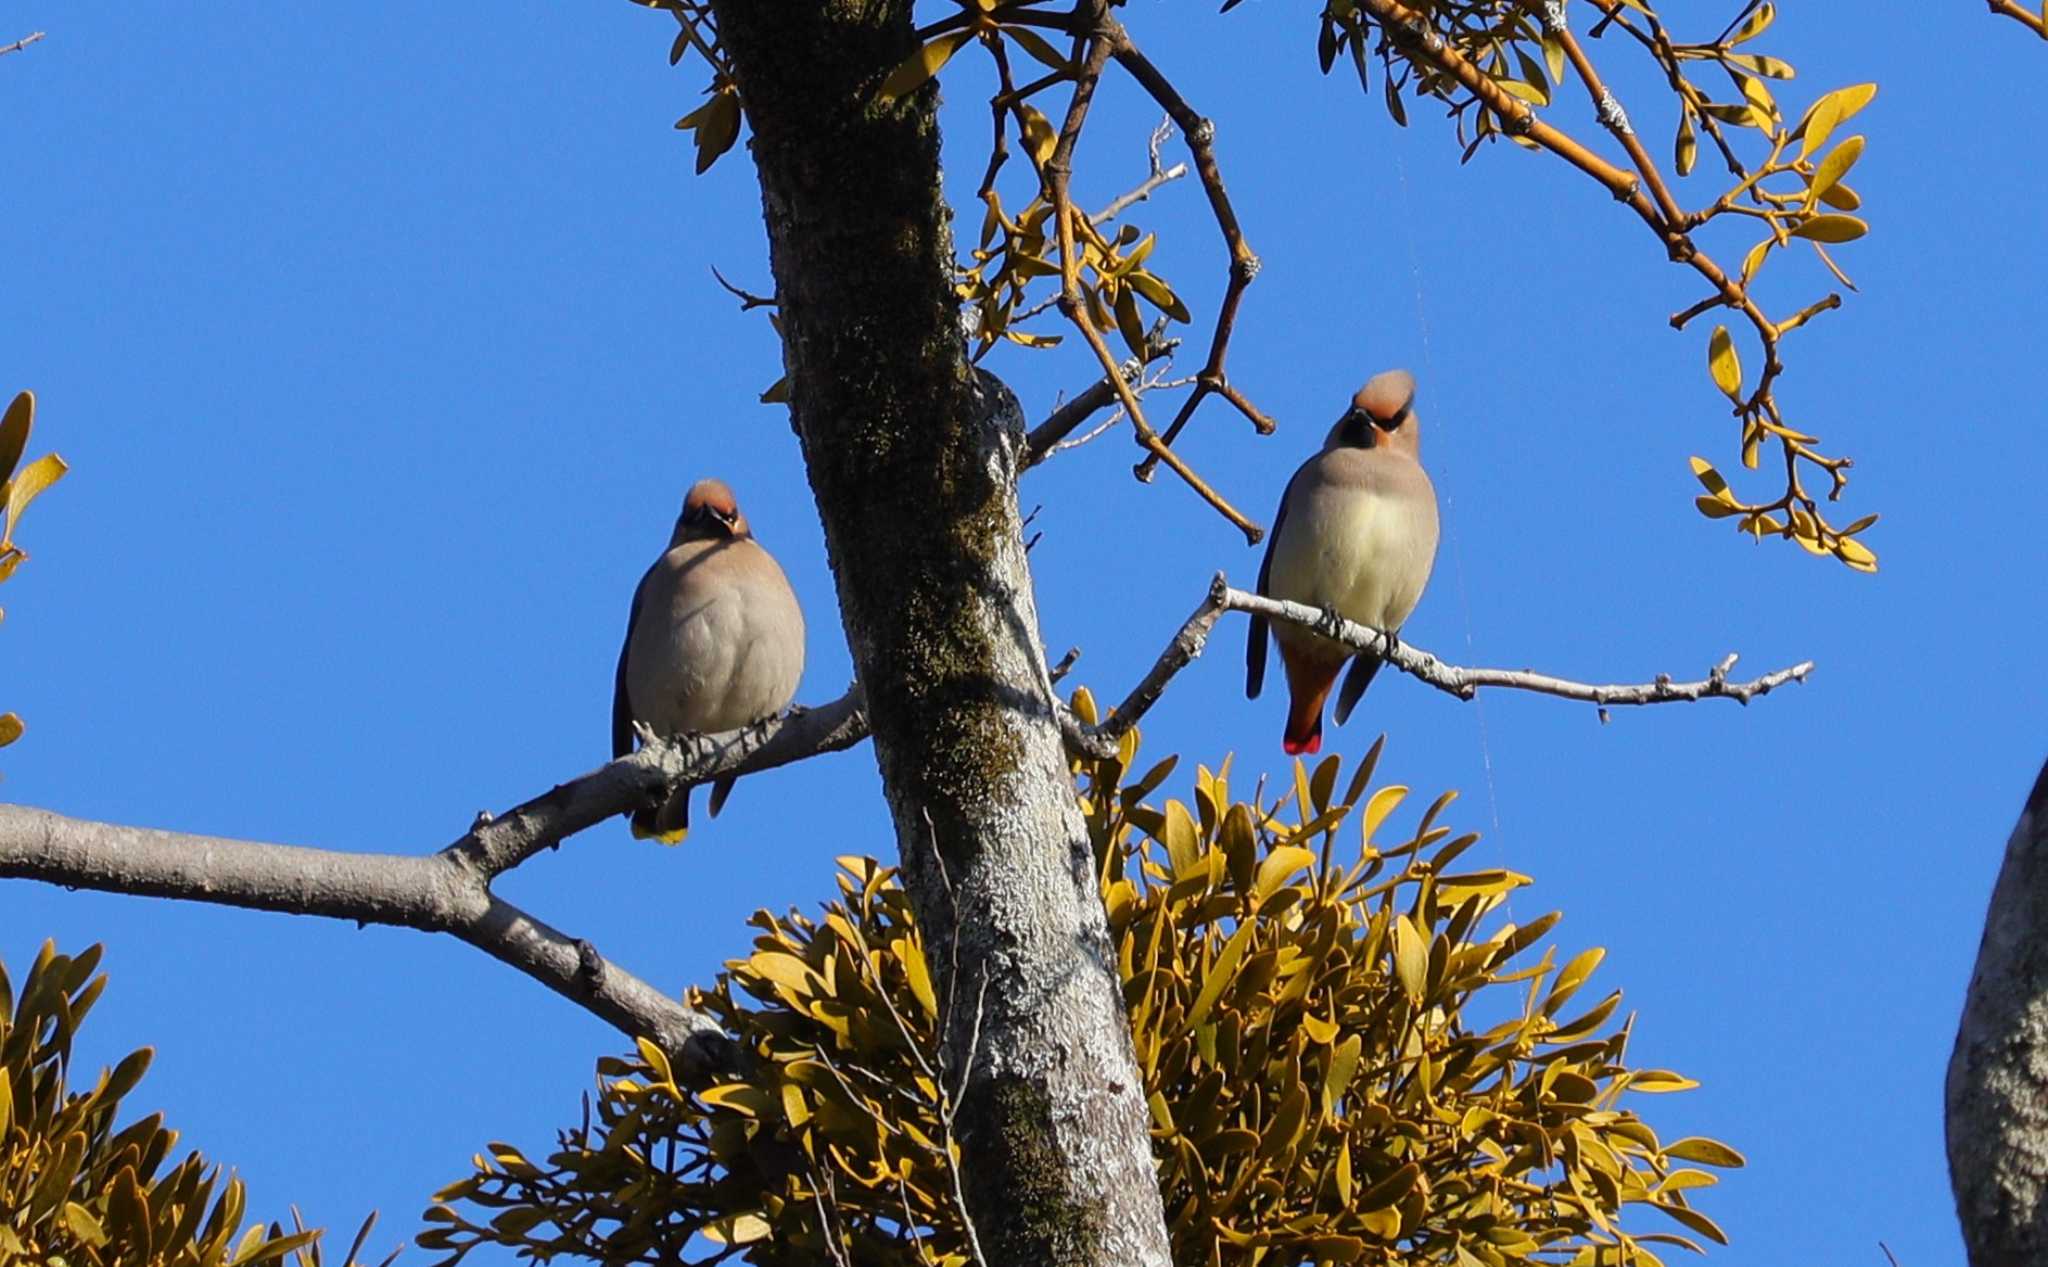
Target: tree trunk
1998 1073
913 463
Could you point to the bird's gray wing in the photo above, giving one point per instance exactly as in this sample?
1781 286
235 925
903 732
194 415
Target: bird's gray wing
1255 640
622 710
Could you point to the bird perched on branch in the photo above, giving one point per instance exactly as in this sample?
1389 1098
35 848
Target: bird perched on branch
1355 534
715 642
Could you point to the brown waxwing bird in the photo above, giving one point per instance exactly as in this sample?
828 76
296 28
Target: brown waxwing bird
1355 534
715 642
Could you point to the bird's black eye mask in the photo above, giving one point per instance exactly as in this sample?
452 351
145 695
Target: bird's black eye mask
708 520
1360 428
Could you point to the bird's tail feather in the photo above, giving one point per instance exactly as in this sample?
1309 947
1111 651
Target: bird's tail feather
668 822
1309 689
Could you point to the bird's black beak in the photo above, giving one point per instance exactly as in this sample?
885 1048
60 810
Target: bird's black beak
709 519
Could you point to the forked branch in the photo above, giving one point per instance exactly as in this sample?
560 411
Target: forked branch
445 892
1193 637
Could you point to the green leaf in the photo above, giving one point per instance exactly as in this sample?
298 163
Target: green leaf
1039 137
914 968
14 427
1756 24
1709 1152
1571 977
1831 228
1832 168
1710 479
1159 294
27 486
1035 44
1830 112
1755 259
716 124
1219 976
1722 362
1696 1221
1411 958
1390 1189
1658 1081
920 66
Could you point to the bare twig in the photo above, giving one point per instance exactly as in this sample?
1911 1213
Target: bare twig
2036 22
21 43
1193 635
1200 134
1045 438
1116 415
748 299
1097 38
1158 176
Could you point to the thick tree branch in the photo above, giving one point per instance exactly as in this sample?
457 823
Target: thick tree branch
1997 1093
1193 636
448 892
439 893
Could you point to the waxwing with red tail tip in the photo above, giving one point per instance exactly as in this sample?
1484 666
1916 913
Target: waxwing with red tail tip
1356 533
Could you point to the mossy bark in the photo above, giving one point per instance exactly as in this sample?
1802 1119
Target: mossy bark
1997 1094
912 458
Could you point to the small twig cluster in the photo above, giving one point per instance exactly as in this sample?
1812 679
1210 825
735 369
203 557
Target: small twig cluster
1494 64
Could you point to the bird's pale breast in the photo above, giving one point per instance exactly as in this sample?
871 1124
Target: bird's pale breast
1364 547
719 641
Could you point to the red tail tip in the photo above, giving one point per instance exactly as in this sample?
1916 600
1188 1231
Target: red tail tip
1295 747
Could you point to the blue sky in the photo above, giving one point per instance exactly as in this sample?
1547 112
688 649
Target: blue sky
383 348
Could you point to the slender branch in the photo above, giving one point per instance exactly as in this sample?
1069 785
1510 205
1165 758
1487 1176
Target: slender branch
1058 171
21 43
1609 110
748 299
1158 176
2036 22
1200 134
437 894
1046 436
495 845
1193 636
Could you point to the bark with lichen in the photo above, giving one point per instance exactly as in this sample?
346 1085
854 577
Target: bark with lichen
912 458
1998 1074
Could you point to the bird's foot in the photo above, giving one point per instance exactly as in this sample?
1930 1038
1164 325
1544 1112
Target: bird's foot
1330 623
